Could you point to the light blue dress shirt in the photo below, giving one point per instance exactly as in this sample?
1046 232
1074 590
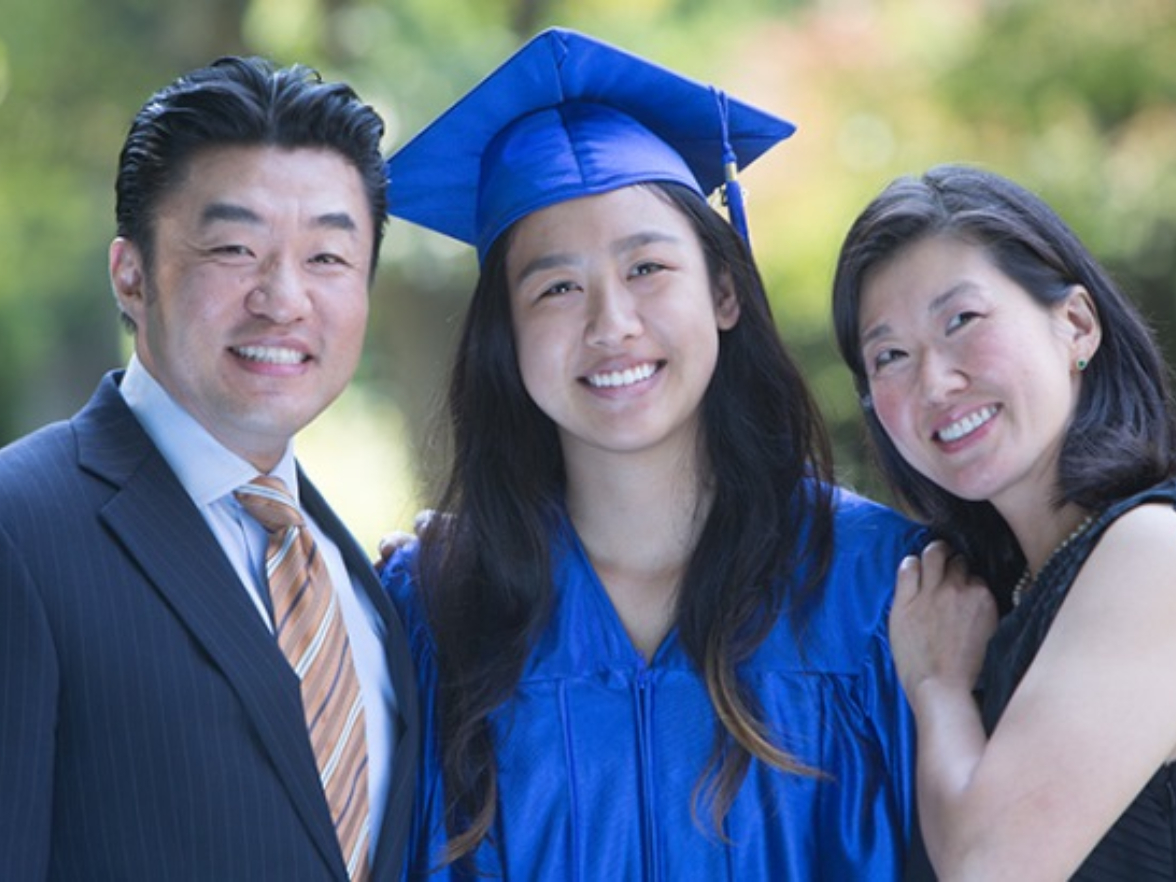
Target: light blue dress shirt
210 473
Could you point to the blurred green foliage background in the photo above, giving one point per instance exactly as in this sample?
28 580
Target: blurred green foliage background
1075 99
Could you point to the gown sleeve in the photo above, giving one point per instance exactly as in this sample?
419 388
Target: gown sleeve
877 541
426 839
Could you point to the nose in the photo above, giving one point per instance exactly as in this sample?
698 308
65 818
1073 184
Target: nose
613 315
278 293
940 376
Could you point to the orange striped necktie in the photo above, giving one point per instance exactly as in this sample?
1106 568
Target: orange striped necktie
308 624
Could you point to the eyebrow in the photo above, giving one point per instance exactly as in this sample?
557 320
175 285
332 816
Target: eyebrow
227 211
231 212
644 238
338 220
546 262
937 303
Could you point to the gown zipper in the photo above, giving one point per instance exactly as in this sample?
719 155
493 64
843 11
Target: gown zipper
643 687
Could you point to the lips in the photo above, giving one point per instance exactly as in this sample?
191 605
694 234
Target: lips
620 379
280 355
966 425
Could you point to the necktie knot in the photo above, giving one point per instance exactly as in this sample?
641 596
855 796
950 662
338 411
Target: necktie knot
270 503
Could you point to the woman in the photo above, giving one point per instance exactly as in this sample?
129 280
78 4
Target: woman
1019 404
653 637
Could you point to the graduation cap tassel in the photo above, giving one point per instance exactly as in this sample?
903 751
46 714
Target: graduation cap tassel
732 191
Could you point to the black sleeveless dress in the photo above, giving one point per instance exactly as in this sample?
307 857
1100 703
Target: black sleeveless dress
1141 846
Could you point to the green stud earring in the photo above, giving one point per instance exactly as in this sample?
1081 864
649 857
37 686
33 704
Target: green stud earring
1082 363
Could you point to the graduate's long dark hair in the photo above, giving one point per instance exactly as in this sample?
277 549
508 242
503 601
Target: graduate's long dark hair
1123 435
486 570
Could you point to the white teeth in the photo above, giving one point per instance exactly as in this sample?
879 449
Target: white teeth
627 377
967 425
270 354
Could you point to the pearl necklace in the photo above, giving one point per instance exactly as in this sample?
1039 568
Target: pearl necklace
1028 580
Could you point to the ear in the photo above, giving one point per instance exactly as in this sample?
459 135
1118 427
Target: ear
1082 324
127 278
726 303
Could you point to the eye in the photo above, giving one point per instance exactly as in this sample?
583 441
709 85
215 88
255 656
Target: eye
232 250
647 268
329 259
556 289
960 319
884 358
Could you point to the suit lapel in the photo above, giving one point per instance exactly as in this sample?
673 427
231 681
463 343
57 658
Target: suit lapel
397 815
154 519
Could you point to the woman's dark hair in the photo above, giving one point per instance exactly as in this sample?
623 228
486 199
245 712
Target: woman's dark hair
242 102
764 548
1122 435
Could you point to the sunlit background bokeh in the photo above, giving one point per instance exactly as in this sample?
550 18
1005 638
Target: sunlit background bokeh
1075 98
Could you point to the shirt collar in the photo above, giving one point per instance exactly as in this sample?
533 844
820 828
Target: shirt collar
207 469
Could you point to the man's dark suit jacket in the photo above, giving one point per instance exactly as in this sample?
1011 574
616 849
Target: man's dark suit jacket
150 727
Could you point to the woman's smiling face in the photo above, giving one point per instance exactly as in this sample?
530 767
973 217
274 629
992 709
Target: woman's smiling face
615 319
974 381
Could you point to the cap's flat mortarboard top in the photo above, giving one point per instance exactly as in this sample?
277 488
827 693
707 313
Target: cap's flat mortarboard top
569 116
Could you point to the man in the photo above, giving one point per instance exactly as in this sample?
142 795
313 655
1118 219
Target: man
156 719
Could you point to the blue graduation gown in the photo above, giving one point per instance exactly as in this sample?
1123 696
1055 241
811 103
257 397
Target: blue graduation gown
599 751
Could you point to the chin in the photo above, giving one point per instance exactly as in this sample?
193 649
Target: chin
969 492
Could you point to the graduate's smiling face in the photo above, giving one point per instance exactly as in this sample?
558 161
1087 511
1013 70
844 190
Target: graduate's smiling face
252 312
616 320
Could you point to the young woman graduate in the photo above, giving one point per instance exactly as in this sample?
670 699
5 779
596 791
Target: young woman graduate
1018 402
652 634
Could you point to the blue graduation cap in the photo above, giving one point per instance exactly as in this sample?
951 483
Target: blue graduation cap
569 116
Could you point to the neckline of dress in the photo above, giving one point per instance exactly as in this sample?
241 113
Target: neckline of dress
1028 579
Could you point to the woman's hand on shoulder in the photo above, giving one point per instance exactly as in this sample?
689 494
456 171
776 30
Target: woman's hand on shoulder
392 542
941 620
